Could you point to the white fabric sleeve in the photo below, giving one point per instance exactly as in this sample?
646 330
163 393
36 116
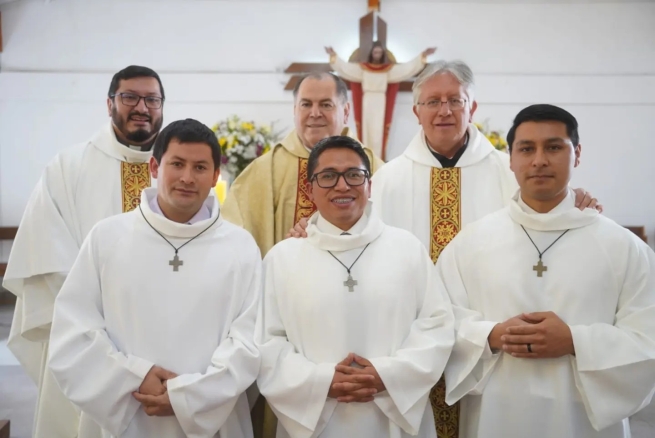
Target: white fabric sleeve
350 71
202 402
615 364
471 361
86 364
295 388
413 370
406 70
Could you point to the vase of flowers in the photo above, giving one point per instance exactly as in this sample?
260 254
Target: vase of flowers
241 142
496 138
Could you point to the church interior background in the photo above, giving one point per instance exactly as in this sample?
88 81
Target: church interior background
230 64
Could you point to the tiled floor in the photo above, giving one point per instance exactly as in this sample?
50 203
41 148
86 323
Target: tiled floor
19 393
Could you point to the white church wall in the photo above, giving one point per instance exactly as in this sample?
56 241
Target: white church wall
218 58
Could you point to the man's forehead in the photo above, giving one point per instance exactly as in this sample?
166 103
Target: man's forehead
444 83
317 89
145 83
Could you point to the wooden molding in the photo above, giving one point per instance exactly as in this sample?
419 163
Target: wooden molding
8 233
4 428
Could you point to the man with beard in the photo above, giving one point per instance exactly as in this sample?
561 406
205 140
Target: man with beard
79 187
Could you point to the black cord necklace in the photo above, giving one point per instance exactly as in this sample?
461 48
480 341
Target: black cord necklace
350 283
540 267
176 262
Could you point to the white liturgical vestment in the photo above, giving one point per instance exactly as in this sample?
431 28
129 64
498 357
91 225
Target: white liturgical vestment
127 305
600 280
405 194
311 318
80 186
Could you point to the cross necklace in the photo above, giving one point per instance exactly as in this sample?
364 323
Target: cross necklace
176 262
350 282
540 267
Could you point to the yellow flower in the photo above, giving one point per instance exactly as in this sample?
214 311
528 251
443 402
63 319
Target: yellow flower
230 141
247 126
266 129
215 127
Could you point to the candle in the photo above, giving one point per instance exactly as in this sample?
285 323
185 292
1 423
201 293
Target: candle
221 190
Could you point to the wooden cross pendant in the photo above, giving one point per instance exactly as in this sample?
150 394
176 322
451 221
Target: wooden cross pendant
350 283
540 268
176 263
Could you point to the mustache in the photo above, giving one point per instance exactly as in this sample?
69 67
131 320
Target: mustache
136 113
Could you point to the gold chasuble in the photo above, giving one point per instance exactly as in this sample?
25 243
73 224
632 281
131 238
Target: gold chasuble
134 178
445 220
270 196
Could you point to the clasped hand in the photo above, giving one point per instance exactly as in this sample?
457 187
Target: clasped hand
533 336
355 380
153 392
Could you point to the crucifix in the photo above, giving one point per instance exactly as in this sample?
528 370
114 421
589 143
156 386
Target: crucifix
371 28
176 263
350 283
540 268
374 78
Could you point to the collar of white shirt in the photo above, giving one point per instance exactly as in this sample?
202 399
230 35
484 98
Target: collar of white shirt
204 213
566 204
328 228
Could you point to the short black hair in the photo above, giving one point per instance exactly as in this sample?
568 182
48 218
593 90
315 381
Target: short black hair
187 131
545 113
131 72
336 142
342 88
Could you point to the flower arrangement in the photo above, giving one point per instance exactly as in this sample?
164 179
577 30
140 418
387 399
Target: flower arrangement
241 142
495 137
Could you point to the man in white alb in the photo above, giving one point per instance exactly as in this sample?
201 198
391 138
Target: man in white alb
353 331
152 334
554 307
80 186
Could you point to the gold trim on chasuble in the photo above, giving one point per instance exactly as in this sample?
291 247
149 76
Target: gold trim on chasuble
445 222
134 178
304 206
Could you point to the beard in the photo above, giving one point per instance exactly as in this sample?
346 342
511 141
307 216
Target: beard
140 135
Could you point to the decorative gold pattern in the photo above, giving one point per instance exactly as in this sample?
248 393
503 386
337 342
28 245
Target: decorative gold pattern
134 178
445 212
304 206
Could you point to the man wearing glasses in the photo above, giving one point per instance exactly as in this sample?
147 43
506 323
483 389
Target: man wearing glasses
353 332
80 186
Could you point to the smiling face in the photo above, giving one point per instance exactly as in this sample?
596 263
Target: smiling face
136 125
444 127
319 112
184 176
341 205
543 158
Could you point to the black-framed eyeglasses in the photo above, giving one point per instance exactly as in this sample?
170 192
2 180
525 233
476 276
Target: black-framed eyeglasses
130 99
330 178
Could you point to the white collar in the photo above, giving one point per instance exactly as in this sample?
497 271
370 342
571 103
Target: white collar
105 140
204 213
327 241
328 228
565 216
478 149
175 229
